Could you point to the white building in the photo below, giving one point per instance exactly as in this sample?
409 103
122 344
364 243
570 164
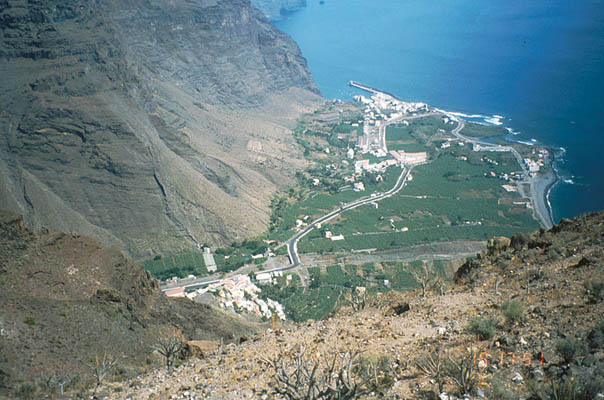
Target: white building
208 260
264 277
409 158
359 187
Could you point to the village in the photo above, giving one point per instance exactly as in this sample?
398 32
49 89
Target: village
370 154
237 294
359 161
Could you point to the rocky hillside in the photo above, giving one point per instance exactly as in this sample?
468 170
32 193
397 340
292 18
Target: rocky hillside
66 298
150 125
523 320
275 9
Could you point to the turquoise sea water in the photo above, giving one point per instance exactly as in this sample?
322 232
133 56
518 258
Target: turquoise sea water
539 64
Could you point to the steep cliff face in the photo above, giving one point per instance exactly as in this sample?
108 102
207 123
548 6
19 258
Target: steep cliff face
148 124
274 9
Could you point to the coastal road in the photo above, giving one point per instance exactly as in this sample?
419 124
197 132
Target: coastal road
537 194
461 124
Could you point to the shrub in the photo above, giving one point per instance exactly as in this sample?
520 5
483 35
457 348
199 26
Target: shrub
569 349
483 327
299 375
358 298
512 311
462 373
431 365
519 240
596 336
564 389
497 389
26 391
582 386
30 320
376 371
101 366
595 290
169 345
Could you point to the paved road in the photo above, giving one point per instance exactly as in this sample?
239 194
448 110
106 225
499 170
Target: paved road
537 196
461 124
292 243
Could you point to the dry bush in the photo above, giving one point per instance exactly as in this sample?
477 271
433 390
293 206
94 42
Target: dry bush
169 344
358 298
431 365
101 366
300 375
423 277
462 372
60 379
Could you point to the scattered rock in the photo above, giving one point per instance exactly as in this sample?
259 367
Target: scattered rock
401 308
201 348
537 374
517 378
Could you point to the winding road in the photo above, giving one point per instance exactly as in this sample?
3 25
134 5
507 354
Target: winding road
540 209
292 243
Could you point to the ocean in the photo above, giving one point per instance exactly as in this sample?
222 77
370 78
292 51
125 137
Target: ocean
536 67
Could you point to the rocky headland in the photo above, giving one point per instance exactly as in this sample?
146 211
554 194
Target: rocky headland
276 9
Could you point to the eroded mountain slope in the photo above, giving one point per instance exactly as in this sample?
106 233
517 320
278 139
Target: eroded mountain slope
67 298
151 125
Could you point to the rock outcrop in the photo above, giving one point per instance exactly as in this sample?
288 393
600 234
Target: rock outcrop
275 9
150 125
66 298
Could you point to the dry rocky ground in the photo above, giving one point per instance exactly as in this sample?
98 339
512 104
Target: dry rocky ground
552 347
66 299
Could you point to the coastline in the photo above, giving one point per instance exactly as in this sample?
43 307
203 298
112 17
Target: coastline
540 187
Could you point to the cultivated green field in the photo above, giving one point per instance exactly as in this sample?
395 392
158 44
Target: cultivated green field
448 199
316 204
453 197
179 265
330 287
479 130
191 263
